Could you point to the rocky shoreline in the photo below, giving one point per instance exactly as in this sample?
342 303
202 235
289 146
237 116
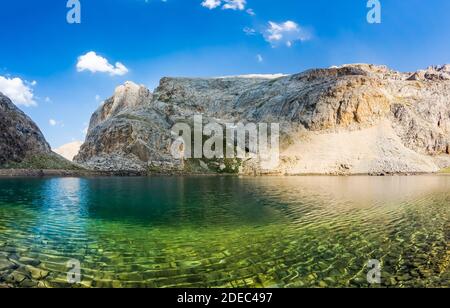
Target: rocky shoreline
17 173
4 173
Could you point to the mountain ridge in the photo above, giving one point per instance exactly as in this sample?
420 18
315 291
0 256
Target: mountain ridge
394 122
22 144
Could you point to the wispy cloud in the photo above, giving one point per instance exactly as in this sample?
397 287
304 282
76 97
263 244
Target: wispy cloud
211 4
225 4
85 129
53 122
235 5
251 12
249 31
285 33
95 63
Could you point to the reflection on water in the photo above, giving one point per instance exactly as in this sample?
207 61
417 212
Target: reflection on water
225 231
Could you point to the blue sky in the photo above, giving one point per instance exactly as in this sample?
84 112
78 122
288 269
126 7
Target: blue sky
158 38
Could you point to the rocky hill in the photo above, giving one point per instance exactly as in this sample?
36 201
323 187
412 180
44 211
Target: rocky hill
69 150
354 119
22 145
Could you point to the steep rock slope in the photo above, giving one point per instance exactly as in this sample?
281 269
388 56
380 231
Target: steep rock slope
22 144
343 120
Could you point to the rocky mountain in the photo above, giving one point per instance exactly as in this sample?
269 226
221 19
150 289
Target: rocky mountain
22 144
353 119
69 150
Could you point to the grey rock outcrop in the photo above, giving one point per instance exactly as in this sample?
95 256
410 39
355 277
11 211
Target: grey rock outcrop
22 144
353 119
432 73
19 135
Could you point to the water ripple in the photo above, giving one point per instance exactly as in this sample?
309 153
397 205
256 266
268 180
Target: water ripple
226 231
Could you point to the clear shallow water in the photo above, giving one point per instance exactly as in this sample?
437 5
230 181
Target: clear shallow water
227 231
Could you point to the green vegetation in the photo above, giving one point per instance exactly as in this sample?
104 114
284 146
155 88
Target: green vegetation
446 170
211 166
219 165
44 162
155 170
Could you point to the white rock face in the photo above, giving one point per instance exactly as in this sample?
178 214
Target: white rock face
69 150
125 97
353 119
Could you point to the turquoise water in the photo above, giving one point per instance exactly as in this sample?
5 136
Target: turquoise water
225 231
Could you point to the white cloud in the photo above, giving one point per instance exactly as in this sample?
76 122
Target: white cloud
54 122
249 31
259 58
211 4
85 129
99 99
18 91
251 12
95 63
234 5
285 33
227 4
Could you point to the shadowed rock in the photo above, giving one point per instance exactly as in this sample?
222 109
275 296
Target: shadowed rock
22 144
19 135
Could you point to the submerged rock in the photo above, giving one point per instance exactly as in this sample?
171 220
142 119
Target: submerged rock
36 273
5 264
16 277
29 261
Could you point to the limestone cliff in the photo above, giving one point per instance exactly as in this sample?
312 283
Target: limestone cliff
354 119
